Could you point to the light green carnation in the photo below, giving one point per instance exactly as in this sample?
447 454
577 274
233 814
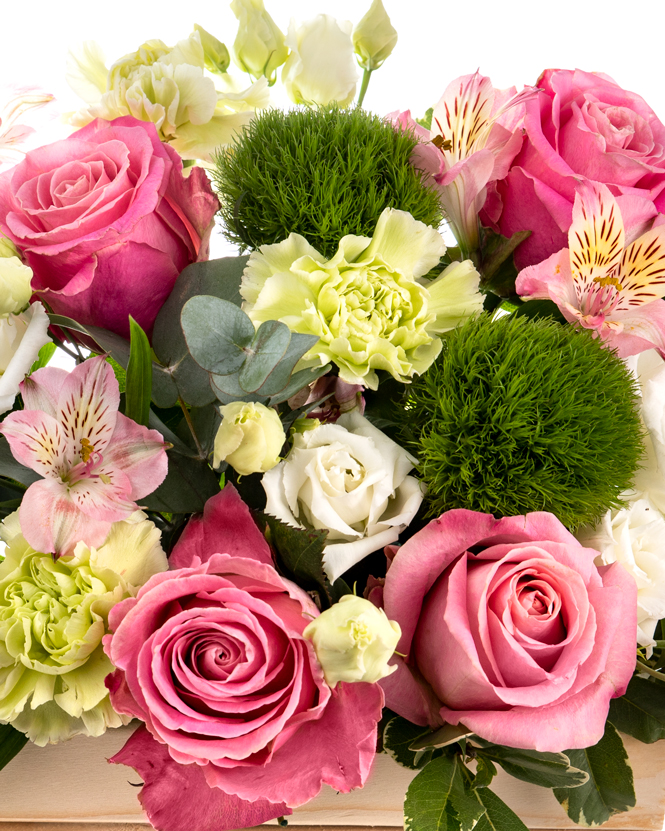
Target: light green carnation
366 304
53 615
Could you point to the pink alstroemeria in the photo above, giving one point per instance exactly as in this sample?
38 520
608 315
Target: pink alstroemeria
14 103
473 140
599 281
95 461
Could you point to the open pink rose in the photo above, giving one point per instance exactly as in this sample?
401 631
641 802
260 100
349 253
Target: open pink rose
510 629
583 125
237 712
107 220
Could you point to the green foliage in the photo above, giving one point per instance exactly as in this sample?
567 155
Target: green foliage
399 736
641 711
43 357
609 789
321 173
498 816
520 415
11 743
138 380
549 770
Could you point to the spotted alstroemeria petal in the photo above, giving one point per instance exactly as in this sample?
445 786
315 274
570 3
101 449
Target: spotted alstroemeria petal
596 237
105 494
87 409
641 270
41 391
463 116
36 441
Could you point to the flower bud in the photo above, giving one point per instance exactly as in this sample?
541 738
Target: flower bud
249 438
215 54
320 68
374 37
353 641
15 280
259 46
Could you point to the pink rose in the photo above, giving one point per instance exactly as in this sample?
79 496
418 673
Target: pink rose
237 712
583 125
107 220
510 629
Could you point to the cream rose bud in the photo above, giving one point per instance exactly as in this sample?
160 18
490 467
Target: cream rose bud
349 479
259 48
374 37
21 338
354 641
15 290
320 68
249 438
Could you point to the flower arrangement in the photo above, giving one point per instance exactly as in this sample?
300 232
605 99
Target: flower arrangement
389 480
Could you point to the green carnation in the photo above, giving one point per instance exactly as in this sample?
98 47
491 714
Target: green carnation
520 415
365 304
53 615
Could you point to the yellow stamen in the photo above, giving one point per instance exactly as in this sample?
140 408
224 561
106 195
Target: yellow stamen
608 281
87 449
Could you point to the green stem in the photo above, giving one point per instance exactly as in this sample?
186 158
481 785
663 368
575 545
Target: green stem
188 419
363 87
644 668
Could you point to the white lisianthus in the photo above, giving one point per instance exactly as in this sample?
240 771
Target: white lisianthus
249 438
321 68
168 87
374 37
21 338
350 479
259 48
53 617
354 641
15 290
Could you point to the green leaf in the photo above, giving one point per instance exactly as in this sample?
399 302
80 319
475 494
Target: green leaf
610 788
138 383
12 469
187 487
267 350
549 770
43 357
399 735
297 381
12 741
497 250
485 772
448 734
218 333
437 799
228 389
540 309
426 120
641 711
498 816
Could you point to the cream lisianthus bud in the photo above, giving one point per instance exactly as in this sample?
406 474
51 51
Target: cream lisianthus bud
15 280
374 37
259 48
249 438
215 54
320 69
353 641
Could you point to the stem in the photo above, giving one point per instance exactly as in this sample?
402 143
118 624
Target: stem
644 668
188 419
363 87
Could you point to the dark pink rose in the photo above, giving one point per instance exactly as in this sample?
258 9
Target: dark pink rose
107 220
237 712
510 629
583 125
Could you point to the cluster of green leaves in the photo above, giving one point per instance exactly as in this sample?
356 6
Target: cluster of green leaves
591 784
520 415
321 173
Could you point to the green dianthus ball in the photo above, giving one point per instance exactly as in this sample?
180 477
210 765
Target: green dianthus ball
320 173
520 415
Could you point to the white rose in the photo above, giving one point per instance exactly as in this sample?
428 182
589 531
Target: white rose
321 68
21 338
354 641
634 538
350 479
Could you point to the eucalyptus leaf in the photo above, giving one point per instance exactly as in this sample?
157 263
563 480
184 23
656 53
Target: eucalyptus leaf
227 389
298 381
641 711
218 333
280 377
399 736
609 789
549 770
437 799
267 350
188 485
138 382
12 741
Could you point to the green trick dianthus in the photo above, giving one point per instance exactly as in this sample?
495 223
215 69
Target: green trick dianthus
321 173
520 415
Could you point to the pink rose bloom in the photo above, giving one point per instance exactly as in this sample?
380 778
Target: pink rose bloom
522 639
107 220
583 126
236 709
